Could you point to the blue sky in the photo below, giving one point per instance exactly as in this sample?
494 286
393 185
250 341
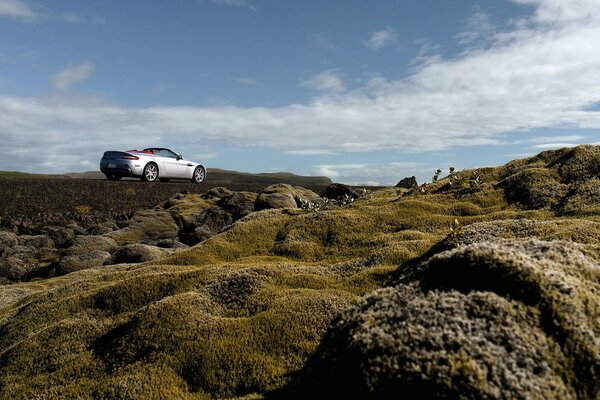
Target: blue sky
361 91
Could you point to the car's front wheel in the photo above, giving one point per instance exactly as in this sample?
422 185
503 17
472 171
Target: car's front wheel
150 173
199 174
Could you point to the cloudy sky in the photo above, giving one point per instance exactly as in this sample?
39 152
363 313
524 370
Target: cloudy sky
362 91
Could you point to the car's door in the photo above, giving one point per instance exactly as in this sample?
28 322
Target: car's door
173 166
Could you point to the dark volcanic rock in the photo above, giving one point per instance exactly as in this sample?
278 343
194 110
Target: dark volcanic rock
62 237
23 263
12 268
103 228
237 204
8 239
197 235
218 192
171 244
201 217
487 320
37 241
209 223
338 191
407 183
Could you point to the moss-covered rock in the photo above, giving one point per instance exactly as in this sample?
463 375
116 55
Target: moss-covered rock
284 196
138 252
13 268
583 200
147 225
36 241
535 188
563 180
575 230
85 244
80 261
8 239
496 316
579 164
23 263
486 320
61 236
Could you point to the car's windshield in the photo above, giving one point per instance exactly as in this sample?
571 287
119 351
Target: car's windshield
164 153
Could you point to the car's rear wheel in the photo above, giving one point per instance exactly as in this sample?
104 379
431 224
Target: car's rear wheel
199 174
150 173
112 177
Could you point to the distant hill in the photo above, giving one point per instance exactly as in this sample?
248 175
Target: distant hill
25 175
225 176
214 175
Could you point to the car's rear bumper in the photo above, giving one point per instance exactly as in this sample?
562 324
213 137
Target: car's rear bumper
121 167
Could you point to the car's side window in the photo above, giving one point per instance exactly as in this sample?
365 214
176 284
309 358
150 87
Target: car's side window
166 153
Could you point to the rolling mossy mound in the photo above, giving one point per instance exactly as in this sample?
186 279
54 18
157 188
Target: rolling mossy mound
501 305
487 320
563 180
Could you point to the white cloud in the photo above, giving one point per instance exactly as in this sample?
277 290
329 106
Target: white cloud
17 9
334 171
547 146
326 81
519 155
406 164
372 174
541 75
309 152
551 11
69 76
479 27
382 38
28 11
555 139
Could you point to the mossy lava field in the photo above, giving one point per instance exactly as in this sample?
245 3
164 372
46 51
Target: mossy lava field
483 284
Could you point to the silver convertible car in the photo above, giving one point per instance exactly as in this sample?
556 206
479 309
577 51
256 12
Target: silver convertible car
149 165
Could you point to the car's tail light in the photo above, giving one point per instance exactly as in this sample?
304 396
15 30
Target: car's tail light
130 157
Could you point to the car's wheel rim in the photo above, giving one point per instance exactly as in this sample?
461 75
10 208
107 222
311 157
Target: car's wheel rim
199 175
151 172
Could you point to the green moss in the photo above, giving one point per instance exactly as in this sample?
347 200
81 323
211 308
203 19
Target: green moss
535 188
239 313
579 164
584 199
